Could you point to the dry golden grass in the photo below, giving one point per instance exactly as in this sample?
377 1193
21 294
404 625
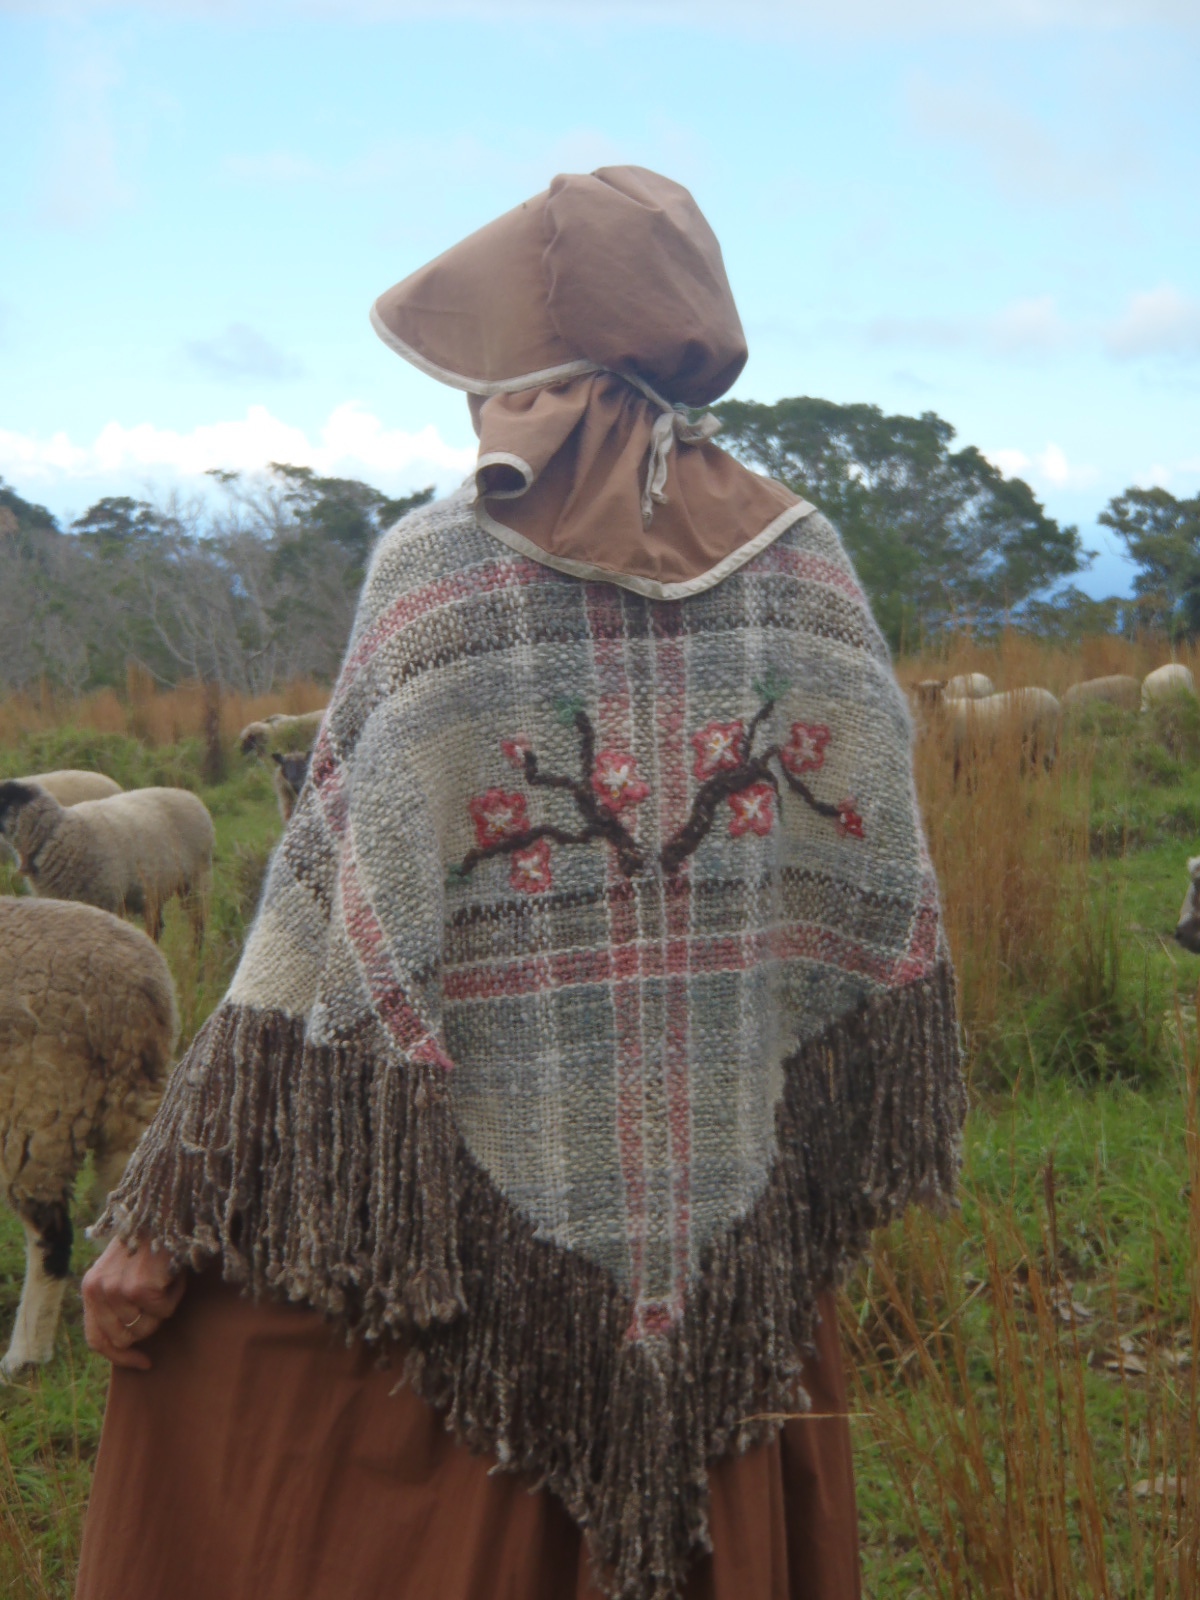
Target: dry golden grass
156 716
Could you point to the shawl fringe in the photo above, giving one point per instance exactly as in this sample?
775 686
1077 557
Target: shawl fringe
334 1175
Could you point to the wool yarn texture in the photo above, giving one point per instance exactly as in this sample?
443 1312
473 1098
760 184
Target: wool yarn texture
596 1010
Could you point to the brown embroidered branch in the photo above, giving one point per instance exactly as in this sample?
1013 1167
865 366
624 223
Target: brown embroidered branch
606 785
739 771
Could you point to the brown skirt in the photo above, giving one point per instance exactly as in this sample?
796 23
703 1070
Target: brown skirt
262 1459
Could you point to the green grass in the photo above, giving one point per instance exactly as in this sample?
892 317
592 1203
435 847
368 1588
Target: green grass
1084 1081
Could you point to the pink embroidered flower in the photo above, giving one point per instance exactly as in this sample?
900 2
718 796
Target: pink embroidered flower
615 779
805 750
530 872
849 822
753 810
516 749
718 748
497 816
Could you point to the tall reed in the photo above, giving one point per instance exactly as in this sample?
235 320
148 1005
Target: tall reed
978 1391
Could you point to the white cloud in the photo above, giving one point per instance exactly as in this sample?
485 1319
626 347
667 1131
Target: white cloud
1030 327
351 441
931 333
1027 158
1158 322
1048 468
242 352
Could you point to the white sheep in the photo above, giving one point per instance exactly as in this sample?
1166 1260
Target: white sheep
1119 689
1187 929
69 786
1166 682
88 1024
131 852
969 686
1032 714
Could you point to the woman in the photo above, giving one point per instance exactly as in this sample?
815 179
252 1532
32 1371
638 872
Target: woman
596 1010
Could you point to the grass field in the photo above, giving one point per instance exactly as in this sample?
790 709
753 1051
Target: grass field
1025 1413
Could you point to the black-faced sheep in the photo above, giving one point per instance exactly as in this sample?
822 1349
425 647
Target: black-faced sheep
1032 714
1119 689
288 741
88 1024
1166 682
290 771
1187 930
131 852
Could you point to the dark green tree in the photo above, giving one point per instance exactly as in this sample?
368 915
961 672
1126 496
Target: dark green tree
936 534
343 512
1162 535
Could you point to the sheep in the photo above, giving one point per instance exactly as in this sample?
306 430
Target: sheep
1034 713
288 741
291 769
131 852
69 786
1165 682
1118 690
281 732
1187 929
88 1026
969 686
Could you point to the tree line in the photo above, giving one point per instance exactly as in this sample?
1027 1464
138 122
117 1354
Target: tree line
258 585
251 590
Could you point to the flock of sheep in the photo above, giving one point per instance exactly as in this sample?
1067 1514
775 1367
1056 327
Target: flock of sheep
976 715
88 1017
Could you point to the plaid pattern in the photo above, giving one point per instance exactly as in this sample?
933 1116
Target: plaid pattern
612 1038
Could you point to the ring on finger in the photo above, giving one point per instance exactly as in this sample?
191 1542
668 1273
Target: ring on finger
128 1325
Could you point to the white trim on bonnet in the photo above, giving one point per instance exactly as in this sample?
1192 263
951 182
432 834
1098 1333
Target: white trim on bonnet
529 380
650 587
505 458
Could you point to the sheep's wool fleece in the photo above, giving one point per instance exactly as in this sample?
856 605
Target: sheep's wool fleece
596 1010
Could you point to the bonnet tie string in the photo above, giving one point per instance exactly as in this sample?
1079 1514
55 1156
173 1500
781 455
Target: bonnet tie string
674 423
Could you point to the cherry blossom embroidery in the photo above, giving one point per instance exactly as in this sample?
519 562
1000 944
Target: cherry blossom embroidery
498 816
615 780
514 750
805 750
530 871
718 748
753 810
608 785
731 771
849 822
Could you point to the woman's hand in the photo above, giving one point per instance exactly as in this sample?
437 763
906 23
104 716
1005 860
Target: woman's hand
127 1296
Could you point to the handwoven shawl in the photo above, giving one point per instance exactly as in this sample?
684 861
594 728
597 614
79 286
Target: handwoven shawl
596 1009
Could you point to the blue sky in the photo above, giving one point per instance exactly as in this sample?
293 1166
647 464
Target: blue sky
989 212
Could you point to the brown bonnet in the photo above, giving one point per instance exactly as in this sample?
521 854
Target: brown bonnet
588 319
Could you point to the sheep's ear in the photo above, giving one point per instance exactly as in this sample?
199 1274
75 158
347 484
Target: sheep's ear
277 758
1194 867
15 793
